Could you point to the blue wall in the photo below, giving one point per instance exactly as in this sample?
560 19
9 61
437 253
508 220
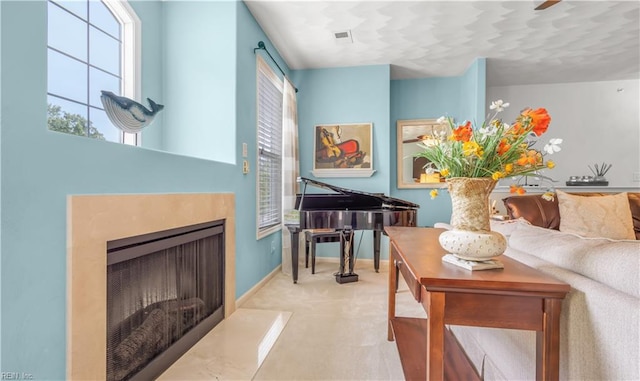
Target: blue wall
152 68
473 94
258 257
200 93
346 95
40 168
459 97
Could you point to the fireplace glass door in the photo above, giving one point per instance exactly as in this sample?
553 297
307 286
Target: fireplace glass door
164 292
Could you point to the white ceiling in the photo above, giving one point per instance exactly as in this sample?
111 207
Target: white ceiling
571 41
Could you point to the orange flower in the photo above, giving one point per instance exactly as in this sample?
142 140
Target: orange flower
516 189
530 158
462 133
540 120
517 129
503 147
523 160
536 121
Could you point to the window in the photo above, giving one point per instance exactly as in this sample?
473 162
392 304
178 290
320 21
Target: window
91 47
269 150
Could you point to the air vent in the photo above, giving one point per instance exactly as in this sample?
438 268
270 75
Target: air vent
343 37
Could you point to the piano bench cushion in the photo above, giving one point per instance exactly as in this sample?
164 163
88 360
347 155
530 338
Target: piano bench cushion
322 235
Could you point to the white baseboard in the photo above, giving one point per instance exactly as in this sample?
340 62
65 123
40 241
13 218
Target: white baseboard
243 299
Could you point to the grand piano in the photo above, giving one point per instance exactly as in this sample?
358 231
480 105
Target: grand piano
347 210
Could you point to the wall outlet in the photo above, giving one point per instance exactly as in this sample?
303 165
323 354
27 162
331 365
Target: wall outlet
245 167
636 177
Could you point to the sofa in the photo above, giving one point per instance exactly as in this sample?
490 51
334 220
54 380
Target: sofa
600 319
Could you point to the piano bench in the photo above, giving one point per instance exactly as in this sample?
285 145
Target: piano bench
314 236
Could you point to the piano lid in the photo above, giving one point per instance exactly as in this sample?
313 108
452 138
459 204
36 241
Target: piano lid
384 200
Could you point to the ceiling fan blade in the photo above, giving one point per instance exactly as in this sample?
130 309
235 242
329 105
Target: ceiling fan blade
540 5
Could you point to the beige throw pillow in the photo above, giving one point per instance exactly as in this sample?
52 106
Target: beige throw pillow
597 216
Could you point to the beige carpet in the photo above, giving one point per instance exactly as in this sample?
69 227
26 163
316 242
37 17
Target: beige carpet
314 330
336 331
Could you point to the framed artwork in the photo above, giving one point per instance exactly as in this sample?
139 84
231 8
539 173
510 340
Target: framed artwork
413 171
343 150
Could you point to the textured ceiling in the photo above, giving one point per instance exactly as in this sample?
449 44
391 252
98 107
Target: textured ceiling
572 41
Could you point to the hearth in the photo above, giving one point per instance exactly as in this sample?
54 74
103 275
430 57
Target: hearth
165 291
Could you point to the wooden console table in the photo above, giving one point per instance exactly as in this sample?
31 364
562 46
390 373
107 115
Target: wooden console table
516 297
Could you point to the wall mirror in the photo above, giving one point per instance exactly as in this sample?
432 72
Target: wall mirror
411 170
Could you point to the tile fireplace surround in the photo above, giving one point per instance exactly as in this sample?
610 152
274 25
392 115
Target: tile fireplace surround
92 220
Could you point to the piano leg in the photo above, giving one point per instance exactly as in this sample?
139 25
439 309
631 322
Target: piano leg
376 249
295 235
346 255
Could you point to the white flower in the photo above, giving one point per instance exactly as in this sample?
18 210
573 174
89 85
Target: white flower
488 130
498 105
548 196
441 135
441 119
553 146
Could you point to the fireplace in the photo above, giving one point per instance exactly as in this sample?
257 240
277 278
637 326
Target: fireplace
95 220
165 291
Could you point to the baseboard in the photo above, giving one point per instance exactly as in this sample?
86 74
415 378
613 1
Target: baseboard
368 262
243 299
363 263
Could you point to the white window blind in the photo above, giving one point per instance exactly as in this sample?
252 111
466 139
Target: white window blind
269 181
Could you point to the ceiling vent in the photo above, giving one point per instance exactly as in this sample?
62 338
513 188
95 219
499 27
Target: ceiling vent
343 37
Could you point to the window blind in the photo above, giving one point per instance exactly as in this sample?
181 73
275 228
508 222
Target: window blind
269 148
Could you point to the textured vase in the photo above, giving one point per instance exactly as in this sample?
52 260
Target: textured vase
471 237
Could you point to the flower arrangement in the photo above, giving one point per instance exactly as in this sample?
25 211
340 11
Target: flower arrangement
496 150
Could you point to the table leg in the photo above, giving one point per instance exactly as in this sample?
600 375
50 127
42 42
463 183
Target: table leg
435 337
548 342
393 286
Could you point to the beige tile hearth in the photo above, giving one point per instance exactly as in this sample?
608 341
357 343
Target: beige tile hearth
233 350
332 332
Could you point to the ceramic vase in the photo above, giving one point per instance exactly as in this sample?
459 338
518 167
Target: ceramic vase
471 237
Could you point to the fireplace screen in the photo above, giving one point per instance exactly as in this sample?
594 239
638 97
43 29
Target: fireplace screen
164 292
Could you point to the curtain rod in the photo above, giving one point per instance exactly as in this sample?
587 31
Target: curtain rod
261 46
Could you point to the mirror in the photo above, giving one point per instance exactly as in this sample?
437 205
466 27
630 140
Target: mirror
412 171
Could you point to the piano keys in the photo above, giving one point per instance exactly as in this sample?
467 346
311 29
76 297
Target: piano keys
348 210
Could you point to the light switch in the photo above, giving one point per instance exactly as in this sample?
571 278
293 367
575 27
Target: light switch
244 150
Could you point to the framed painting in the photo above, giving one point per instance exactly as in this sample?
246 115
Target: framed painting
343 150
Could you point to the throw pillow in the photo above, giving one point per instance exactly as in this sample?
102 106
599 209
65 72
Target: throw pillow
602 216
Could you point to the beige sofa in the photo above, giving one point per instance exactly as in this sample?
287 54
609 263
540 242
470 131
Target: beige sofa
600 338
